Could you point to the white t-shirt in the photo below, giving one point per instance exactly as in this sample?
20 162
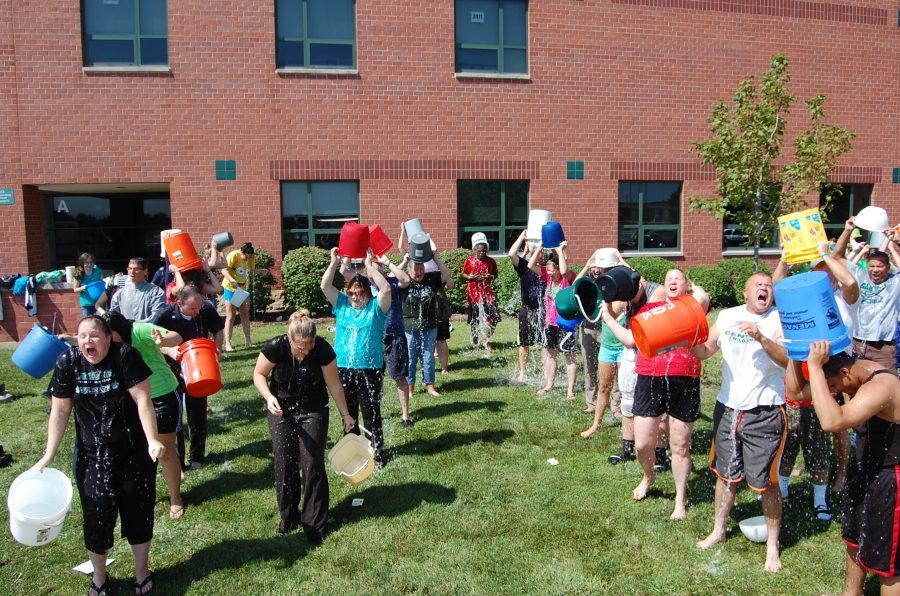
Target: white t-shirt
847 311
877 308
750 377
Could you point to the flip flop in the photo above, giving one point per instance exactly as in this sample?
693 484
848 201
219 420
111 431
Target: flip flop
95 590
139 587
176 511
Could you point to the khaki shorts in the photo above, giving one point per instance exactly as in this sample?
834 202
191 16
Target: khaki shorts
627 379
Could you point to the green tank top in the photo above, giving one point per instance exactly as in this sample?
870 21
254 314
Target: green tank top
607 337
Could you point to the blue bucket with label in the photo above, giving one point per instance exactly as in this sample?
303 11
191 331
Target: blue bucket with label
809 313
570 325
552 234
38 352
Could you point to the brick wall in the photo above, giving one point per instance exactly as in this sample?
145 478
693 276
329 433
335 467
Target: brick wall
58 310
624 85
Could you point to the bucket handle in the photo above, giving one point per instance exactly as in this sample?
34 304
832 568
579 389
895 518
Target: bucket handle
583 312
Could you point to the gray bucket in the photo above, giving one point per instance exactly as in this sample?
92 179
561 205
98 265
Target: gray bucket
413 227
420 248
222 240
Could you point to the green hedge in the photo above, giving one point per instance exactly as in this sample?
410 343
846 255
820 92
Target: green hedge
716 283
651 268
261 285
738 271
301 271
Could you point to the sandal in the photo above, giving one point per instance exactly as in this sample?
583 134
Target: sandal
141 587
176 511
95 590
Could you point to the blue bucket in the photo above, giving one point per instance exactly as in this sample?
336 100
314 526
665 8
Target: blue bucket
552 234
95 289
37 353
809 313
570 325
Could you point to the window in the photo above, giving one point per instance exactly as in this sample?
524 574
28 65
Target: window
492 36
124 32
112 227
313 213
315 33
851 199
649 216
499 208
736 238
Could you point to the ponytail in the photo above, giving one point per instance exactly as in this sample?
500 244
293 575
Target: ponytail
301 326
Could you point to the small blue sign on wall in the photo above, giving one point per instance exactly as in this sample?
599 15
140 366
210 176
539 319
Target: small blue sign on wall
7 196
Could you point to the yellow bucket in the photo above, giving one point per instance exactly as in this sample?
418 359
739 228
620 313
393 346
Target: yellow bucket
801 233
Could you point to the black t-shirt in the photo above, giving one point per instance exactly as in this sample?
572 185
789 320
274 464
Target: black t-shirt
106 417
530 285
205 324
419 312
299 386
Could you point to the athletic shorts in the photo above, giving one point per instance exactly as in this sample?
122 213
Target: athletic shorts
396 356
610 355
487 310
168 413
872 519
124 489
748 444
627 379
805 432
530 324
560 339
674 395
443 331
227 294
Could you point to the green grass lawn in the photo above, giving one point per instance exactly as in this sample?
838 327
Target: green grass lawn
467 504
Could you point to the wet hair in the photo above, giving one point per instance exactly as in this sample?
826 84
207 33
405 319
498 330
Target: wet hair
838 361
363 282
187 292
551 258
139 261
247 248
300 326
194 277
118 323
79 268
877 255
97 322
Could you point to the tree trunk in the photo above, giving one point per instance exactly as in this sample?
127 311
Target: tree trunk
757 228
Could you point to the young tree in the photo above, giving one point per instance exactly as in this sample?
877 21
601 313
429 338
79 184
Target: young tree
746 141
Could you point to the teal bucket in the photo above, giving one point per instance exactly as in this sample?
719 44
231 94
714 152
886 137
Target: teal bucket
809 313
38 352
95 289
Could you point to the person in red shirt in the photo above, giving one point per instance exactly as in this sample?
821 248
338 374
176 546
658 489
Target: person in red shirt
480 271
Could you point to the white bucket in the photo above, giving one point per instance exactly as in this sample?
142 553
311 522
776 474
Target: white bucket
162 236
352 458
536 220
754 528
239 297
413 227
38 503
70 274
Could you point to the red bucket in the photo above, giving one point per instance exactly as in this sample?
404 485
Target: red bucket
679 323
181 252
354 242
200 367
379 241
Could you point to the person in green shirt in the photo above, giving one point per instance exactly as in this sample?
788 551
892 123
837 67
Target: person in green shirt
152 343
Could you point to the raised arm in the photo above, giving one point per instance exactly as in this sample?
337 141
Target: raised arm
563 258
849 287
513 253
781 270
840 247
446 278
586 268
533 260
327 283
384 288
406 279
398 272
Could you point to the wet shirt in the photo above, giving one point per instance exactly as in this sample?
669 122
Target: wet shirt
480 291
138 302
530 285
105 413
299 386
239 268
162 381
419 312
96 275
359 333
394 323
203 326
679 362
553 289
750 378
877 307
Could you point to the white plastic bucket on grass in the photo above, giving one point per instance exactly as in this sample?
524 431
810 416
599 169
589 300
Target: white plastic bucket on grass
754 528
38 503
238 297
352 458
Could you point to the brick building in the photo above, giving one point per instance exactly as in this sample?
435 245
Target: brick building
280 120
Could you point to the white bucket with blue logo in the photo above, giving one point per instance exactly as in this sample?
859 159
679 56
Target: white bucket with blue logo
809 313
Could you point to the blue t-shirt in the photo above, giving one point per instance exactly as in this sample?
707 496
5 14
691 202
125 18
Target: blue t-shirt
96 275
394 324
358 336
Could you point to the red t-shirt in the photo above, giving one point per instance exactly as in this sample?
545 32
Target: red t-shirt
480 291
679 362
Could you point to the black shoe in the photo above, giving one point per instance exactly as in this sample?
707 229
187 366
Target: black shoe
621 457
286 527
406 422
663 465
5 458
823 513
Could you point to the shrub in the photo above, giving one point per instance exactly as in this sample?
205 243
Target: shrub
716 283
301 271
454 259
261 285
651 268
738 270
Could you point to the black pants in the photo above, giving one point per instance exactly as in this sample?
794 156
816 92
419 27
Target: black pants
298 442
362 390
197 422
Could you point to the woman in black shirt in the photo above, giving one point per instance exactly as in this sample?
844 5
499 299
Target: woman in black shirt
294 373
107 384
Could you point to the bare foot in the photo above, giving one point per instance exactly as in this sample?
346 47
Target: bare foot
520 378
713 539
432 391
228 348
587 434
544 390
773 559
641 491
176 511
570 397
678 513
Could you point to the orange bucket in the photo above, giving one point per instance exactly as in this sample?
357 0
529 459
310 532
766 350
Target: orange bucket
181 252
676 324
200 367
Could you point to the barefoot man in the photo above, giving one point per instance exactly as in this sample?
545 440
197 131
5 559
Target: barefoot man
749 421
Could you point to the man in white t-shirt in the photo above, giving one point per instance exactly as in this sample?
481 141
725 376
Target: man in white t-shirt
749 423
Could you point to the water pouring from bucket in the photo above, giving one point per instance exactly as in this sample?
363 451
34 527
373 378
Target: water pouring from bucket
809 313
354 241
678 323
38 352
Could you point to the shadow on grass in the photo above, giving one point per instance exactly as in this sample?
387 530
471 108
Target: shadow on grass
380 501
458 407
466 384
451 440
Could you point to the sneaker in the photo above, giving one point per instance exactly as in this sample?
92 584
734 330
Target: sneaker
663 463
406 422
621 457
823 513
6 396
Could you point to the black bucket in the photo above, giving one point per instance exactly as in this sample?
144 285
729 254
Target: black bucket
619 284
